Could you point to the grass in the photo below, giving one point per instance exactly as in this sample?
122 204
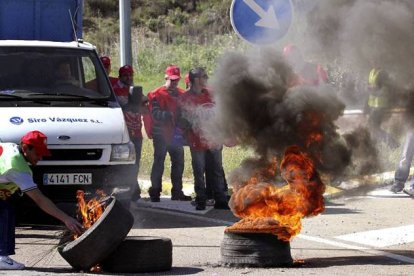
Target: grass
232 157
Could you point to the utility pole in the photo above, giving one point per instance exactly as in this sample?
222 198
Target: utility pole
125 52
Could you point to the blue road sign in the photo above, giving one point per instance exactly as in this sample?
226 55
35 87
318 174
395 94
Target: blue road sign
261 21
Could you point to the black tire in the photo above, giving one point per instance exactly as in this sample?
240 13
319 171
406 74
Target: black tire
254 250
101 239
140 254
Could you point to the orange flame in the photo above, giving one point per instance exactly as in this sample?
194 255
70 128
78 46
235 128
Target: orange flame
265 207
89 211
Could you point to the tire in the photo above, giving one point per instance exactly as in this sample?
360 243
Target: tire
101 239
140 254
254 250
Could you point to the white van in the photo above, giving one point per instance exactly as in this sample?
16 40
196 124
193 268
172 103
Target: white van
62 90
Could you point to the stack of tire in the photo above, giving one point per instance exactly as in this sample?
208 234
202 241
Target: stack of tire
106 243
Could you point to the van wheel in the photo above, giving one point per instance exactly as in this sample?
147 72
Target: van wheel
96 243
254 250
140 254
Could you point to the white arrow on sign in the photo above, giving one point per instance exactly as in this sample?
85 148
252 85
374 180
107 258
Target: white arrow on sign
268 18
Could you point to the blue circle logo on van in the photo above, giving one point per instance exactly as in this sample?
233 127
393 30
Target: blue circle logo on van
16 120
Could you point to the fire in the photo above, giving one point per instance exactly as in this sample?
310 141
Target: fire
89 211
266 207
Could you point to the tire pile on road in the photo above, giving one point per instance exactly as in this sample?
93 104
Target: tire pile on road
106 243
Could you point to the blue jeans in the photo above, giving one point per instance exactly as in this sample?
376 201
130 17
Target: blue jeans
7 228
198 162
403 168
176 153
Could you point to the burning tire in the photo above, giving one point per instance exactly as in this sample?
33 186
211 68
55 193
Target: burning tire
101 239
140 254
254 250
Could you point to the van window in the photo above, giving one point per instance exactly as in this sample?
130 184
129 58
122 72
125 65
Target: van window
26 71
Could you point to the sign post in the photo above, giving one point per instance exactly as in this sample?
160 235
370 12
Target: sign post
261 21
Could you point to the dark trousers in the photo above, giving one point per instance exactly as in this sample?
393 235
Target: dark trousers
198 162
134 170
403 167
7 228
210 177
176 153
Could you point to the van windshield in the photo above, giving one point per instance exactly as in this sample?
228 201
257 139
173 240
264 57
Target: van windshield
51 73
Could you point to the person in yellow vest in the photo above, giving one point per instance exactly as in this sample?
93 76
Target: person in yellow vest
380 100
15 179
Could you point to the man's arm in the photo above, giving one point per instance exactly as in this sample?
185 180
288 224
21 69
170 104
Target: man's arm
159 114
49 207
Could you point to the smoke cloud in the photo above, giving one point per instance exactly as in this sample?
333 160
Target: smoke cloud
349 37
255 106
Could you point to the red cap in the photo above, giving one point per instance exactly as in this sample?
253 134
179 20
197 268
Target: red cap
126 69
106 61
173 72
38 140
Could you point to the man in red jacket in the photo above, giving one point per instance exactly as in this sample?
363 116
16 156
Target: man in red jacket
195 109
133 109
167 136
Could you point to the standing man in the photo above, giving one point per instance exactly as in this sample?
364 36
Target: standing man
195 109
380 101
167 136
132 108
16 179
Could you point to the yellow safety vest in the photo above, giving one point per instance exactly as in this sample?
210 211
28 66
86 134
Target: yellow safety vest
377 97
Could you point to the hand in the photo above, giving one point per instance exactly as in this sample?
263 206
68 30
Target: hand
73 225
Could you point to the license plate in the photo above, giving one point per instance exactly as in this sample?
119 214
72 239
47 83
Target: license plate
67 179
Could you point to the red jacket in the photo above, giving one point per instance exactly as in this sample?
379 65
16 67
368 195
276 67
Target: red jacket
122 92
165 102
196 110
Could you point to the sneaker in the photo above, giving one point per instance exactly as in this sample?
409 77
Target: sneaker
181 197
397 187
7 263
223 205
210 202
155 199
409 191
201 205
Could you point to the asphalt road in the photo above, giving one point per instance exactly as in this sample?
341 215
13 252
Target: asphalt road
362 234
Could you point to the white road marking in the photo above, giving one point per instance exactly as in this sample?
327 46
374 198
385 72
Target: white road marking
358 248
382 237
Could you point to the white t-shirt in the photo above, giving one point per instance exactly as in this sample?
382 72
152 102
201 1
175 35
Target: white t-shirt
21 179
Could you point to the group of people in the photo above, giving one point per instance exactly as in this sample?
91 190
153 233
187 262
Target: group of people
170 117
